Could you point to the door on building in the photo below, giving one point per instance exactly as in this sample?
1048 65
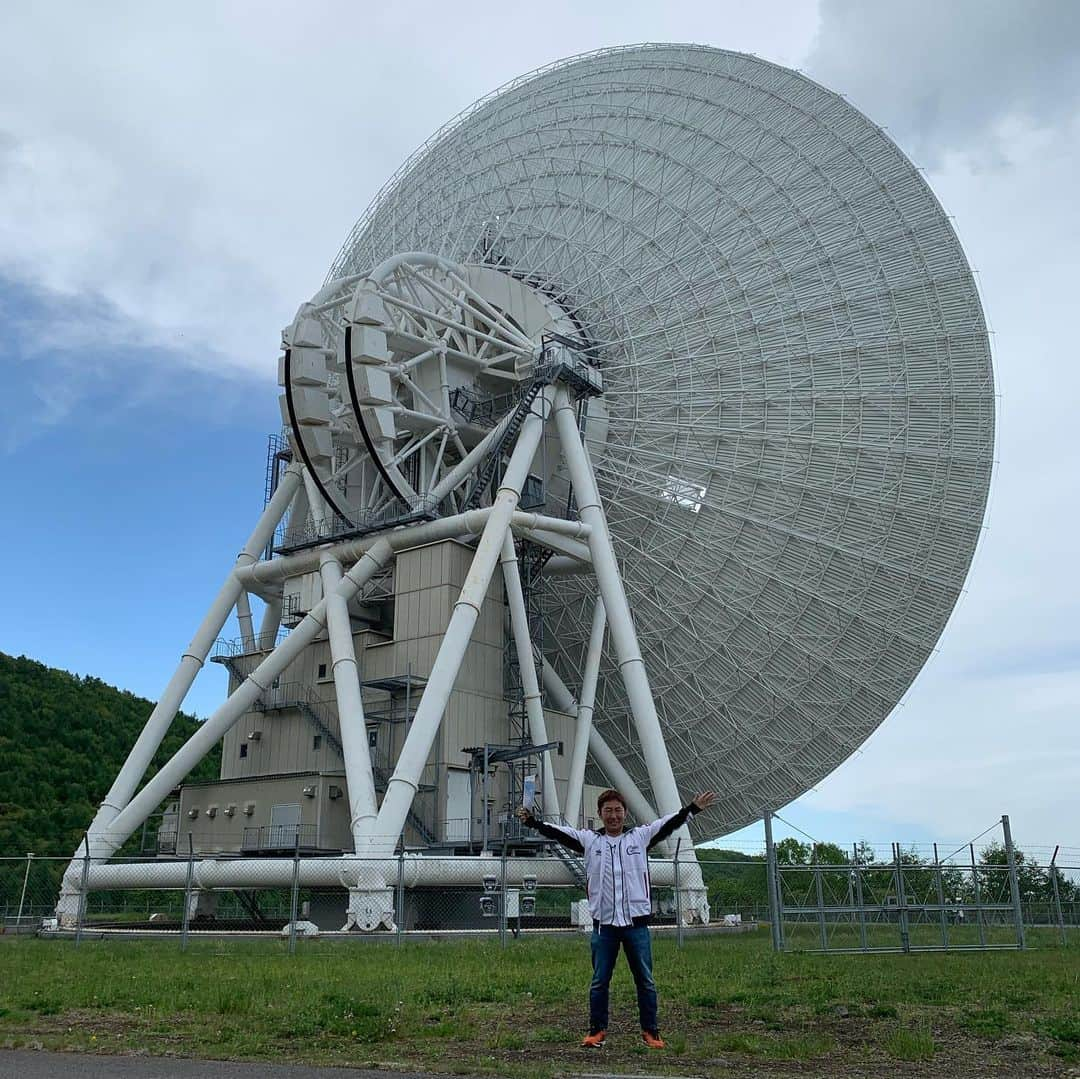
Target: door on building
284 825
458 804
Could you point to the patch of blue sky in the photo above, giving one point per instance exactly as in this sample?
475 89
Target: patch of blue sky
133 477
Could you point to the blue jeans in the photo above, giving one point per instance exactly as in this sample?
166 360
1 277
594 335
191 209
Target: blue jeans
637 943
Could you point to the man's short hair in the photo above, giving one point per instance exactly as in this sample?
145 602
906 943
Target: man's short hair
610 795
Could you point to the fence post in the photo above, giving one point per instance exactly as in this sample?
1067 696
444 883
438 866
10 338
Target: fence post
901 900
26 879
1014 882
941 900
1057 897
399 918
857 871
82 891
678 899
822 928
772 885
187 894
978 897
295 899
502 896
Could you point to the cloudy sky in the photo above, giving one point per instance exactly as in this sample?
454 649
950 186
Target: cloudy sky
175 180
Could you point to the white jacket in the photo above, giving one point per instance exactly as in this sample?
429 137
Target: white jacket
617 867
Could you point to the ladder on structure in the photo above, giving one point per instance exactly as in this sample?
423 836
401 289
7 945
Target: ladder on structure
572 862
491 461
297 695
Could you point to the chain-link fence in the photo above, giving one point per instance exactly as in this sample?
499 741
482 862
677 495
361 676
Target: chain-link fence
301 896
814 896
906 899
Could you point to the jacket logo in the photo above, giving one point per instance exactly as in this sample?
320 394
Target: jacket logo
633 849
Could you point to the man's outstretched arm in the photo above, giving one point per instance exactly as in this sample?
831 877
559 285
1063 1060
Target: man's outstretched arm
567 837
669 824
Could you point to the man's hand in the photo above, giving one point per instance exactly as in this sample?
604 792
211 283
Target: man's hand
704 800
522 814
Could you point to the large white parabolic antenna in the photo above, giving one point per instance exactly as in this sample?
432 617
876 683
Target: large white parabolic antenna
665 339
797 380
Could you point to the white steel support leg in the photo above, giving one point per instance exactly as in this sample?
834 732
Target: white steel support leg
359 778
608 763
363 804
534 708
249 691
243 617
585 714
414 753
621 621
270 624
694 900
192 661
469 462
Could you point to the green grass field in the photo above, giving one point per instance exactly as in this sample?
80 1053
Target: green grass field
729 1006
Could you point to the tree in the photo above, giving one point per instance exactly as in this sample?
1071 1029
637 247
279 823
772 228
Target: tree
1032 879
829 854
62 740
864 852
791 852
735 881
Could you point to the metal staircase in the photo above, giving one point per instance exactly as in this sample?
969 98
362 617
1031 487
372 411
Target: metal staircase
572 862
510 432
299 696
249 900
531 560
306 705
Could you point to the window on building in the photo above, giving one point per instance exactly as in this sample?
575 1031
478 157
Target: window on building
243 749
372 738
322 670
316 741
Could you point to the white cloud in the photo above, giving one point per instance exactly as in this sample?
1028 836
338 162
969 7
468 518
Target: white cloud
988 94
966 750
948 75
196 169
176 180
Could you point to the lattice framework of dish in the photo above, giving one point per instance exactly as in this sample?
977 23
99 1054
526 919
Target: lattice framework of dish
798 388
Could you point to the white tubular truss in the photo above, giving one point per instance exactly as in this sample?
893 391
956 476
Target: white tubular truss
359 778
146 745
601 752
534 708
583 730
631 665
198 745
340 872
414 753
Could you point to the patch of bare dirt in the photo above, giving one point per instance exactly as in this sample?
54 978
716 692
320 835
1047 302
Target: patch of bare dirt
504 1044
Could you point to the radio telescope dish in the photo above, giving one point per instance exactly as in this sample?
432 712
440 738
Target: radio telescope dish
661 338
795 447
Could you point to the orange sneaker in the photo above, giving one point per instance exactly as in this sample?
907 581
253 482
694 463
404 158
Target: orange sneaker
594 1040
652 1039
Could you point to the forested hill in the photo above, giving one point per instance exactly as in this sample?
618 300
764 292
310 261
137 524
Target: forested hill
62 740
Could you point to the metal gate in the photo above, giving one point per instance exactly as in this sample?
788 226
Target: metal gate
834 902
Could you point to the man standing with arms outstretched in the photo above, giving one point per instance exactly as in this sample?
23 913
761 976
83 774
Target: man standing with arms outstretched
617 884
